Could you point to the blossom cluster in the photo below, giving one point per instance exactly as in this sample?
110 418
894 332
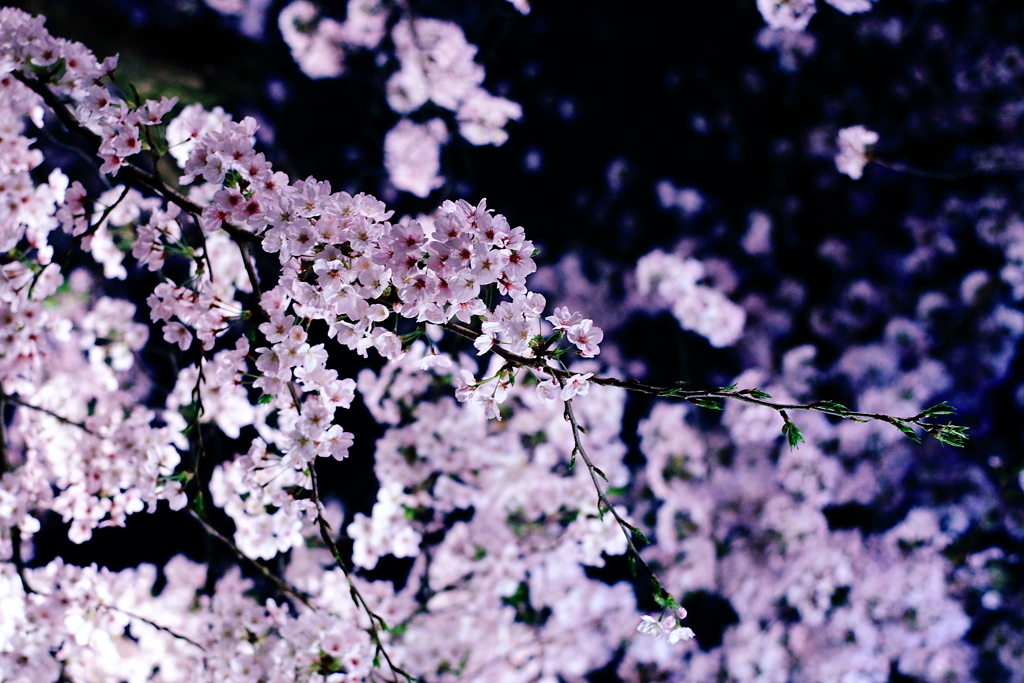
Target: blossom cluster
525 541
318 43
794 15
94 456
787 22
697 307
122 128
435 64
339 257
85 623
853 145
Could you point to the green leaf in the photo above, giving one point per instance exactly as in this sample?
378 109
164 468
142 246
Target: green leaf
50 71
756 393
265 399
600 473
832 407
731 387
940 409
520 597
136 97
708 403
792 434
572 460
398 630
909 432
231 178
952 435
632 564
639 534
664 599
158 139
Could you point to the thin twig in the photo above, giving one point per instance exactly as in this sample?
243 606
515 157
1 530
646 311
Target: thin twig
357 597
155 625
197 401
250 270
59 418
696 396
628 529
276 580
900 167
18 560
3 435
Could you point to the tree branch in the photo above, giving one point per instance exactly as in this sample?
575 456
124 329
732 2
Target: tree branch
276 580
950 434
133 173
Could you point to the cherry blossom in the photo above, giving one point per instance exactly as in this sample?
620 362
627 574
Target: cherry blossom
853 150
480 487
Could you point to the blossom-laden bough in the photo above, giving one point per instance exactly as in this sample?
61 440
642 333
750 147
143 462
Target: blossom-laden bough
503 596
